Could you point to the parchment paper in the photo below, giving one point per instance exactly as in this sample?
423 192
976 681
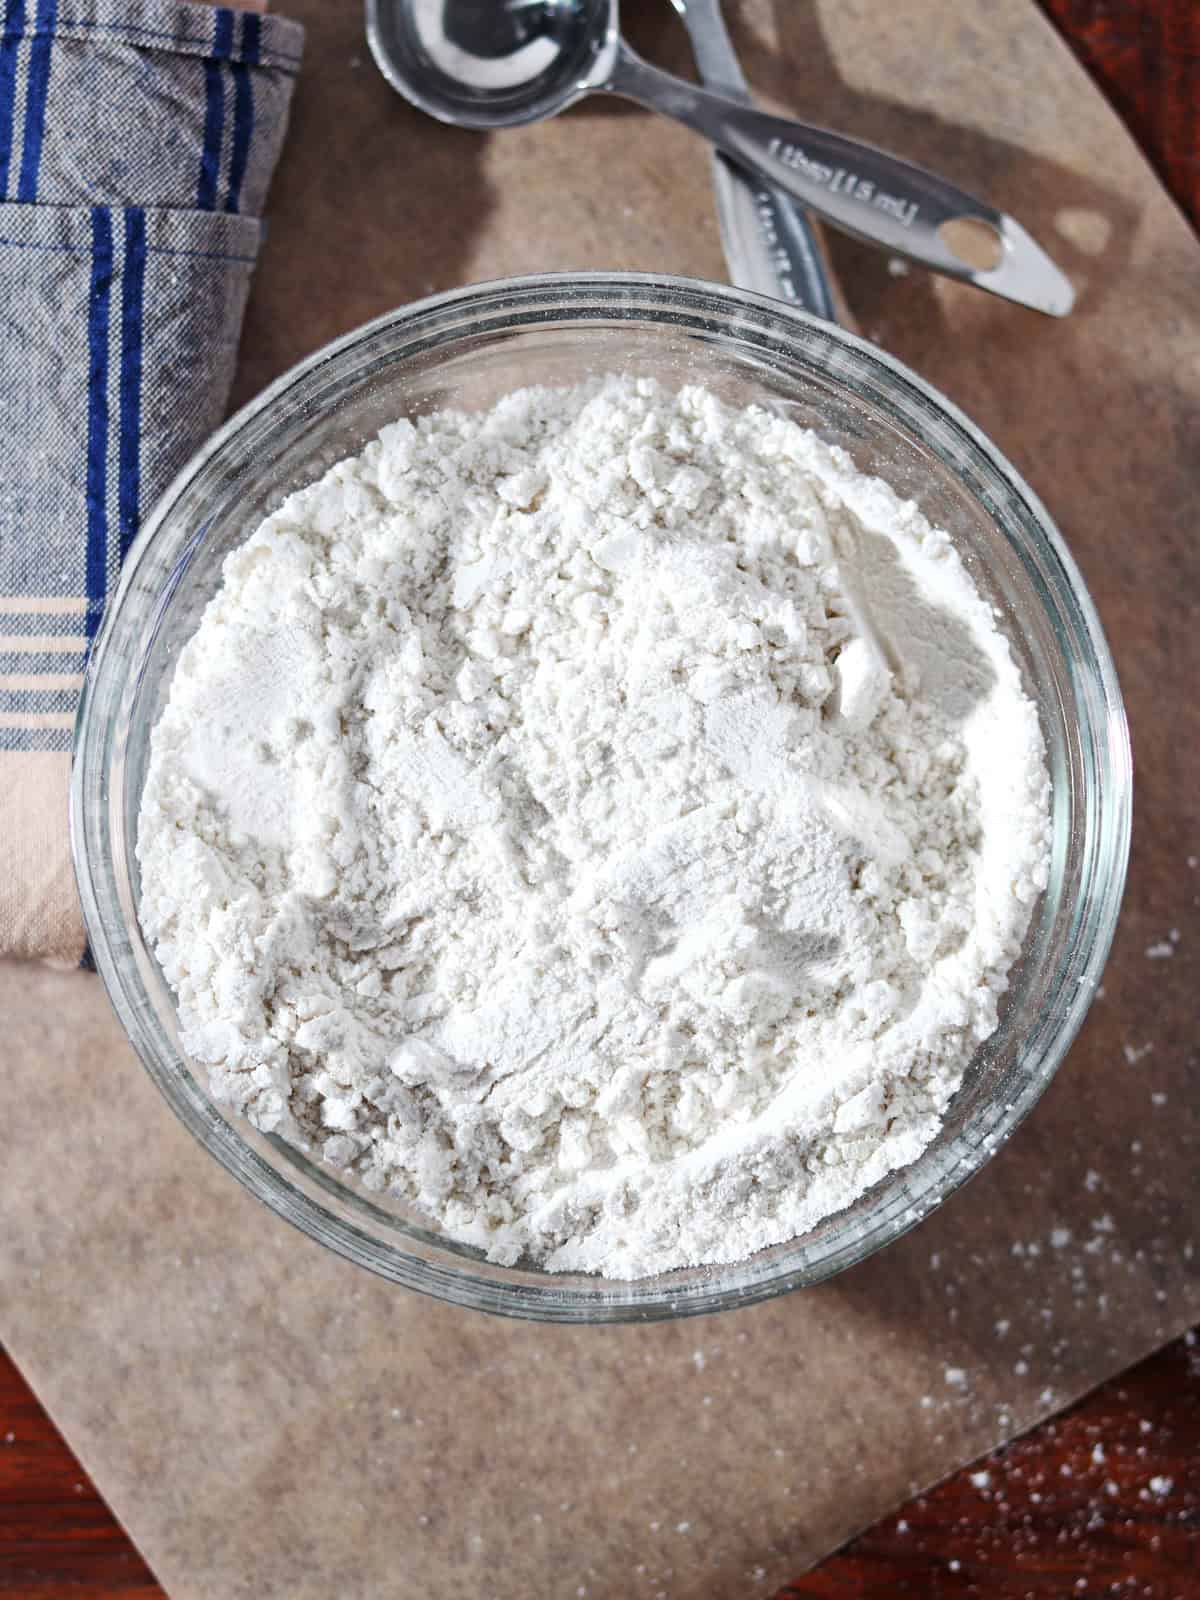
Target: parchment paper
271 1422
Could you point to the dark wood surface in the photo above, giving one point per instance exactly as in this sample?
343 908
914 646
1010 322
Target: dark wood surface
1145 55
1104 1500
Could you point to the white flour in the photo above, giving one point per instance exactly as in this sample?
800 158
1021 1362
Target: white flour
606 822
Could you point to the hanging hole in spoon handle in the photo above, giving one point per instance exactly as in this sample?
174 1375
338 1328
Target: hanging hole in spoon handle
975 242
863 191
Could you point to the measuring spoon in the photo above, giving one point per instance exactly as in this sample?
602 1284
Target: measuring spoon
480 64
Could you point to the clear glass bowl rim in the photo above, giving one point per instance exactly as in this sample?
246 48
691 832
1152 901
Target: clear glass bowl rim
311 1204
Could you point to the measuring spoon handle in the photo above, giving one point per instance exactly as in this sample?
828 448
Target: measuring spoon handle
769 243
865 192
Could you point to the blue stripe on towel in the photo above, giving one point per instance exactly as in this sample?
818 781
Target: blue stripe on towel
42 661
133 286
251 38
10 44
45 624
243 109
35 738
40 702
97 433
38 87
214 111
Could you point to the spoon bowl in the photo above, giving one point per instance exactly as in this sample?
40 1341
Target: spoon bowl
479 65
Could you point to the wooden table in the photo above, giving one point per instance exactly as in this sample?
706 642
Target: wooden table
1104 1500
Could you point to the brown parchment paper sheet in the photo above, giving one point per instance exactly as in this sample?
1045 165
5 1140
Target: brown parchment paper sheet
270 1422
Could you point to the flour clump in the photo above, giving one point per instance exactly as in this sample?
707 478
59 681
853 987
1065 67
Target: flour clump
607 822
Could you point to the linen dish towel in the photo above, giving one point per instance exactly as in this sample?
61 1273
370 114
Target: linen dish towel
137 142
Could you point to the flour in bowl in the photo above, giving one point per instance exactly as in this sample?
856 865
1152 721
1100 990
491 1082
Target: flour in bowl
607 822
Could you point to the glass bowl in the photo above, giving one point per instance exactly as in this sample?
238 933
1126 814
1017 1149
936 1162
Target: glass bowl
467 348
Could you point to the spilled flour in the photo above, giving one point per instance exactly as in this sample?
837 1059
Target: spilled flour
606 822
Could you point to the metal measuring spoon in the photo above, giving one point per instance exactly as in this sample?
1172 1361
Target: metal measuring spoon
487 64
770 245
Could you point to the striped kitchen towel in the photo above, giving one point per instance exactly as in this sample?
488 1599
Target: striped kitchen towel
137 139
107 101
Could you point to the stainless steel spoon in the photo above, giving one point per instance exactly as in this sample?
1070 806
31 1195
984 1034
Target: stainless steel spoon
770 245
487 64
